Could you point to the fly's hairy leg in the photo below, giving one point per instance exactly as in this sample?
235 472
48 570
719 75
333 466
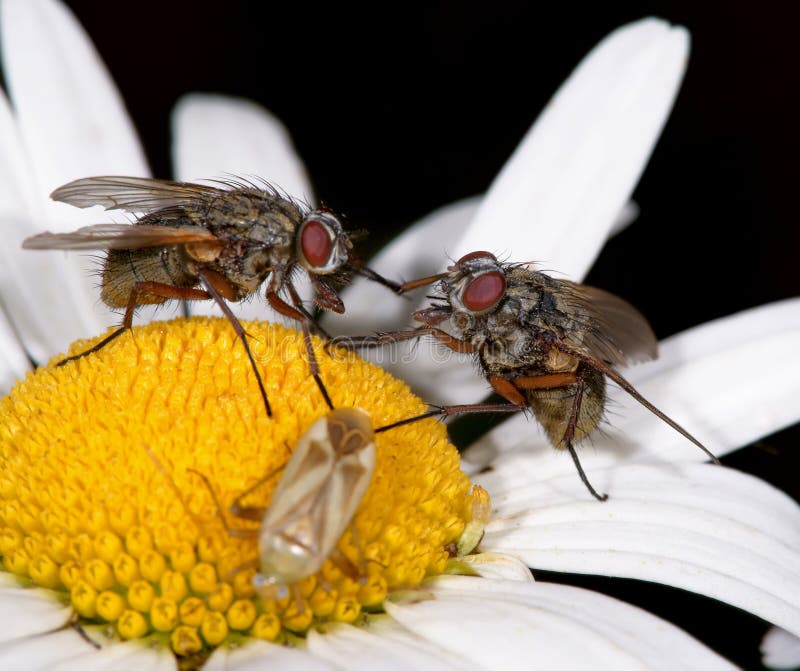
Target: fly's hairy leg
153 288
282 307
569 434
216 286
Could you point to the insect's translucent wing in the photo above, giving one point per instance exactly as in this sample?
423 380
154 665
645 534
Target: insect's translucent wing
120 236
138 195
324 480
613 330
306 473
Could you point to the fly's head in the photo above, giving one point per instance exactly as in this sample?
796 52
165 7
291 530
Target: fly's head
475 287
322 245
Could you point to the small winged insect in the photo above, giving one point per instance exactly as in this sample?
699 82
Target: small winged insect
313 503
543 344
228 239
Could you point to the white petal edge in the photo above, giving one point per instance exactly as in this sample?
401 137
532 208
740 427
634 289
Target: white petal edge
380 645
66 650
25 612
14 363
579 163
493 566
17 193
780 649
72 119
258 655
33 653
72 123
520 626
629 213
215 136
34 287
700 381
116 656
699 527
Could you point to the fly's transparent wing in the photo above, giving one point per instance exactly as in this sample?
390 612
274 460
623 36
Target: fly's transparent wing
612 330
120 236
138 195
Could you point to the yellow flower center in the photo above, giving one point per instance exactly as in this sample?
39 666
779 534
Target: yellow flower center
102 493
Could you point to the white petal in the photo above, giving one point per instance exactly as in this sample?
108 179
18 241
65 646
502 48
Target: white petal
215 136
24 612
253 308
700 527
780 649
513 625
13 360
434 372
732 380
17 193
34 635
257 655
33 287
624 218
416 253
33 653
116 656
52 303
577 166
728 382
72 124
497 566
72 119
377 645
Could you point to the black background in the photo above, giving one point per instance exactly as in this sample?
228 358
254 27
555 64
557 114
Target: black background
399 109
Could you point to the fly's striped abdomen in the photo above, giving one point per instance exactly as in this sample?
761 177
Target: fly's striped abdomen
124 267
553 407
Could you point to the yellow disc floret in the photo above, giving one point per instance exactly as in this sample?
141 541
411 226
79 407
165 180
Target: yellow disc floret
118 470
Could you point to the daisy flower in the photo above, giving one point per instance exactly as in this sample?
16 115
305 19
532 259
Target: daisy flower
94 527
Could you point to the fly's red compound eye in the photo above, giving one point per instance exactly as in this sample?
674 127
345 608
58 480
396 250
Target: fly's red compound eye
484 291
476 255
316 243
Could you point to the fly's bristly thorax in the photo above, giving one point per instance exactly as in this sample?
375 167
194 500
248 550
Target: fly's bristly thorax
257 229
513 339
323 246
